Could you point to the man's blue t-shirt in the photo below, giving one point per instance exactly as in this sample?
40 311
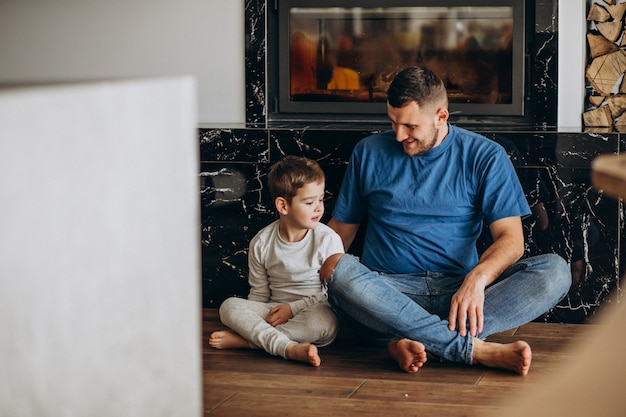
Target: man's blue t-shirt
426 212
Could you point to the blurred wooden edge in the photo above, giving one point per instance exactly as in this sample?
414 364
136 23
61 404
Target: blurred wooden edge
593 381
608 174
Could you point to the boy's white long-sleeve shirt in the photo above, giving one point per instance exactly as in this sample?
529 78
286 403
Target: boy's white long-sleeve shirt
288 272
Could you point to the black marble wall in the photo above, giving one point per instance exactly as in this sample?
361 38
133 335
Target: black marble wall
570 217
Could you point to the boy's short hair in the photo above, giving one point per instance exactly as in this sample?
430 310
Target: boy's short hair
290 173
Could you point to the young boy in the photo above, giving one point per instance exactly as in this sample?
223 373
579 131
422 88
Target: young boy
286 312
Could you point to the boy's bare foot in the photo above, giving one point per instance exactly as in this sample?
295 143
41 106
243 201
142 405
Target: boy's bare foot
514 356
303 352
227 339
329 266
409 354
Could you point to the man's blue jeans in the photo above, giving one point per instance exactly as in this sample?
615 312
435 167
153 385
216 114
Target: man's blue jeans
416 306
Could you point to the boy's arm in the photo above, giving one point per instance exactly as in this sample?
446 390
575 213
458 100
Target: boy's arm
299 305
329 245
257 277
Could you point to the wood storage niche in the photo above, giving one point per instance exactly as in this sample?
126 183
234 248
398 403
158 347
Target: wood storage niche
606 67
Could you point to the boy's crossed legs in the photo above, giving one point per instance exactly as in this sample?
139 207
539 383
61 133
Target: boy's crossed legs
293 340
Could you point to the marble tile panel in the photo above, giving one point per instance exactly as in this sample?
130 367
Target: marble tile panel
573 220
569 218
584 230
566 150
242 145
255 52
542 97
323 146
622 224
234 207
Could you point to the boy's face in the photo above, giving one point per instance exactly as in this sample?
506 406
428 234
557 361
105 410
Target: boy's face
307 206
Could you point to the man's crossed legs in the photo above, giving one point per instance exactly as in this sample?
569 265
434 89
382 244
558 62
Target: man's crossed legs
405 311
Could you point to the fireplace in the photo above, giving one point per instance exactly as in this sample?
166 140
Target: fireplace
333 61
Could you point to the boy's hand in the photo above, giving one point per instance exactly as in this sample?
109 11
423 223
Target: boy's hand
279 315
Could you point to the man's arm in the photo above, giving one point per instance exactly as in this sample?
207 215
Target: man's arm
468 302
347 231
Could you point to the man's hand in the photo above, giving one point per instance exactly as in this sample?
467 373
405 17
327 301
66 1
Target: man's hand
280 314
467 307
468 303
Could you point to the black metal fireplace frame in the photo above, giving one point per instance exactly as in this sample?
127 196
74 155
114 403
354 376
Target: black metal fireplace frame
541 66
278 80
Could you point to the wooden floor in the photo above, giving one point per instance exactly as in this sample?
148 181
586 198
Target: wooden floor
354 380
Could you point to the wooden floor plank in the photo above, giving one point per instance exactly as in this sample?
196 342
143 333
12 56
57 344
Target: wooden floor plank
368 363
554 330
251 405
428 392
296 385
213 398
361 380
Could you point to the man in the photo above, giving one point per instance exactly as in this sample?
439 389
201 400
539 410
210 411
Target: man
425 189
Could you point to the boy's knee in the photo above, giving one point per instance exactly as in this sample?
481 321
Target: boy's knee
327 333
228 305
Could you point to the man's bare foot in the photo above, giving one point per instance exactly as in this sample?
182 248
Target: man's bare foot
514 356
303 352
329 266
409 354
227 339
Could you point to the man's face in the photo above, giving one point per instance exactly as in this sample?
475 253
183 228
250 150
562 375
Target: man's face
418 129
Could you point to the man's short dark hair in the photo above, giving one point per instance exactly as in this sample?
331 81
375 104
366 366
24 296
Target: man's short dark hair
420 85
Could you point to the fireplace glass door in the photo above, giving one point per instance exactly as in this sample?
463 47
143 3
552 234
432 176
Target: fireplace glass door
345 57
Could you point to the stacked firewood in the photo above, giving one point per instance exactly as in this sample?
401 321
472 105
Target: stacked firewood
607 65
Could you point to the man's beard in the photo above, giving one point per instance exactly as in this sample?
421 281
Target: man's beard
424 147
